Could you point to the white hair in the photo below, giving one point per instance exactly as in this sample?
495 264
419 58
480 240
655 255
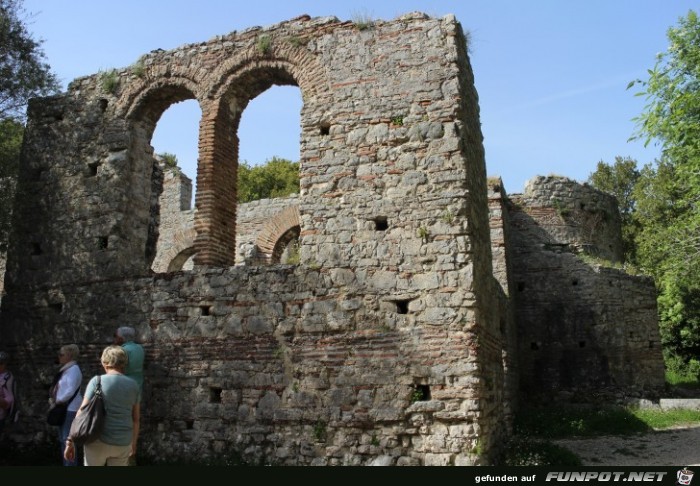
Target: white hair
127 333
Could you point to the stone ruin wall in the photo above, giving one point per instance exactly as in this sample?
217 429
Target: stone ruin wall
383 346
587 330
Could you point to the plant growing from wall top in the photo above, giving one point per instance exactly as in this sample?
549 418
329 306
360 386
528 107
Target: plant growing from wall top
362 20
264 44
169 161
109 80
138 69
298 41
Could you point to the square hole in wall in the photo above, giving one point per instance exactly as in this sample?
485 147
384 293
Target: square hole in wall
534 346
215 394
381 223
35 249
582 344
205 310
103 242
189 424
324 128
421 393
402 306
57 307
92 169
521 286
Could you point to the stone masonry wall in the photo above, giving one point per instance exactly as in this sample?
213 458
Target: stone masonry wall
586 329
383 346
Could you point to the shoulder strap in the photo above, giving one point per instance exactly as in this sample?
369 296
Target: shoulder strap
74 395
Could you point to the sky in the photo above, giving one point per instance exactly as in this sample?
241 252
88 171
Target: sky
551 75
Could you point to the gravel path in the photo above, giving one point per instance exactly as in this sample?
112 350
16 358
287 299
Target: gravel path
669 447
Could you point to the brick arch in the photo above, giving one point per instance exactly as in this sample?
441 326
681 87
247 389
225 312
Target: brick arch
277 233
178 262
160 89
303 68
144 102
182 243
240 79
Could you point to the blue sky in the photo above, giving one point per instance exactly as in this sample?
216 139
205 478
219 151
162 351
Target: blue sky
551 74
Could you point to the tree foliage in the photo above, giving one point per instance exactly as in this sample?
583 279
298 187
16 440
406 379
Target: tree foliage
23 75
11 133
664 197
619 180
276 178
23 72
669 194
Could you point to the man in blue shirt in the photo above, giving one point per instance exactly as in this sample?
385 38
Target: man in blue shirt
125 337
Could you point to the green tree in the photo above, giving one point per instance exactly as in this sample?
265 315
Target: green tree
11 133
276 178
619 180
667 195
23 75
23 72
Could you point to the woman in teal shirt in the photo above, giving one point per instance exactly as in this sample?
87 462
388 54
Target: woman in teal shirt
122 400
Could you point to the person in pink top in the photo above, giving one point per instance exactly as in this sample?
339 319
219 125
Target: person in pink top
7 398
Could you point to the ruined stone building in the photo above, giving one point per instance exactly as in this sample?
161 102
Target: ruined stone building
424 306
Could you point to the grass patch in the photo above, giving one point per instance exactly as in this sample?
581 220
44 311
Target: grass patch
556 423
535 427
682 373
663 419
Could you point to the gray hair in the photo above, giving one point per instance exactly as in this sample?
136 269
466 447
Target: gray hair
71 351
127 333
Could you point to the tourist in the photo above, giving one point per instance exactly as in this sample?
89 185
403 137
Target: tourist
66 389
122 401
126 338
7 382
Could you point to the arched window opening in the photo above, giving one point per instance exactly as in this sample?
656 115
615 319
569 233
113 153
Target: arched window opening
177 137
270 126
182 261
175 149
287 248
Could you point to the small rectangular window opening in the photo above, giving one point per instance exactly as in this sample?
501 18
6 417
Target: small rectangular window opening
421 393
56 306
215 394
381 223
92 169
402 306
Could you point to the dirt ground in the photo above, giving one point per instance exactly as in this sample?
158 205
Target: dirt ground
669 447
